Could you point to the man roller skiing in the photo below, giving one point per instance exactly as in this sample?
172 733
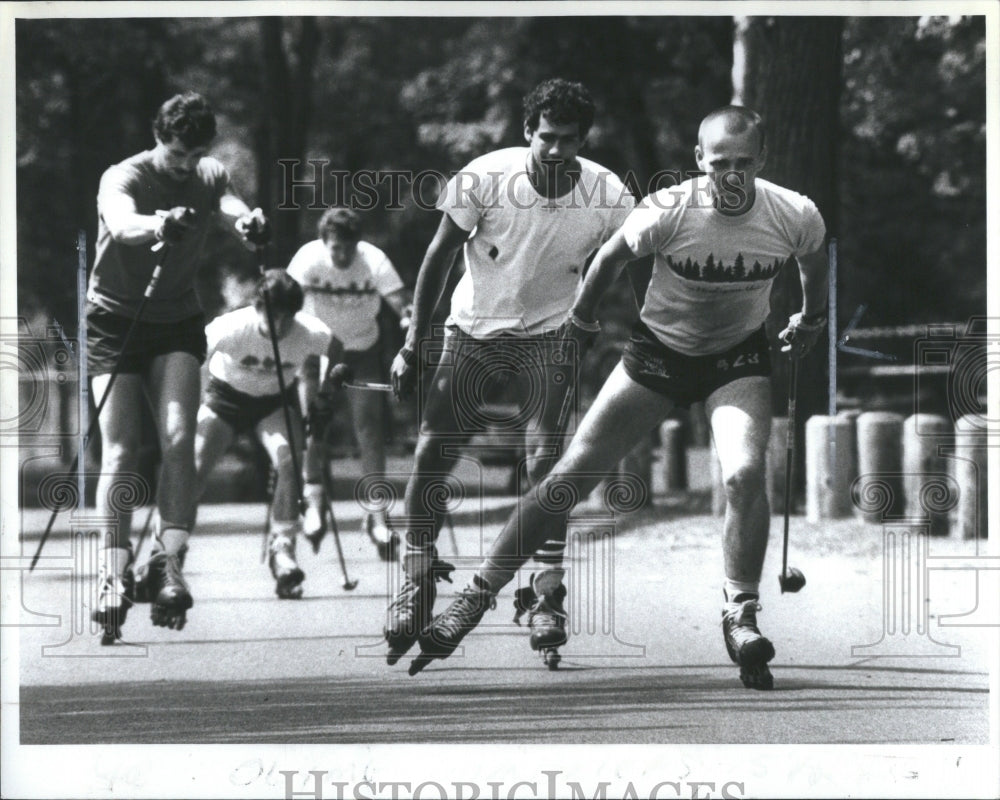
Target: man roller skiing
169 196
718 242
526 220
243 396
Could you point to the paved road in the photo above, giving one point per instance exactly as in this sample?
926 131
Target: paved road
251 668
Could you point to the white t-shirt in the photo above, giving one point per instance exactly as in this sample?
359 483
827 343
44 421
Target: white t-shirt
347 300
525 257
243 357
712 273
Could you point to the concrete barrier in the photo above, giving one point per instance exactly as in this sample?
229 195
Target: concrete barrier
880 465
926 473
969 469
672 443
831 466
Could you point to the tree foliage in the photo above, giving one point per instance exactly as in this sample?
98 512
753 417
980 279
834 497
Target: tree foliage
429 93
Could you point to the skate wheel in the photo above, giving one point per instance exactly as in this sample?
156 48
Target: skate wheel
757 677
551 658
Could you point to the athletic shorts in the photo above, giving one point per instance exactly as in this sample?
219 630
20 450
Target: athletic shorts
106 334
242 411
366 365
690 379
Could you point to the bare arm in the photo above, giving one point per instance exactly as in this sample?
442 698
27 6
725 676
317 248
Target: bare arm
126 225
813 271
233 209
605 268
433 276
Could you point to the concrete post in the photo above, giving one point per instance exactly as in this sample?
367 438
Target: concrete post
970 476
926 471
880 464
831 466
675 476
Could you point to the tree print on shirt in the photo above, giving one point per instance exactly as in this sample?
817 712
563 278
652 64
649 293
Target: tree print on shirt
714 271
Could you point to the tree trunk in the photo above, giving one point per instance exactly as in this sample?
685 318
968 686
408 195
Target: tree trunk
285 122
788 70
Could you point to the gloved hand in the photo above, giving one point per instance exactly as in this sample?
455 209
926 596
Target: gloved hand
403 374
174 224
801 334
254 228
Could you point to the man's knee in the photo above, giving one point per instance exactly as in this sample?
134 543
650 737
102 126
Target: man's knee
120 456
178 445
746 483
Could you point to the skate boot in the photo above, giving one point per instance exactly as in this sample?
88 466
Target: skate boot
411 609
386 541
745 644
314 521
287 574
542 601
167 590
114 598
446 630
149 582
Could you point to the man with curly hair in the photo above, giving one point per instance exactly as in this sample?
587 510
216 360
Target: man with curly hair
526 220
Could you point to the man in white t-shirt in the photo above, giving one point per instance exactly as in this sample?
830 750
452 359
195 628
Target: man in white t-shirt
718 241
243 395
526 220
345 280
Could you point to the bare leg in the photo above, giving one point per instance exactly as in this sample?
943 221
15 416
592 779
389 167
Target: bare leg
434 457
622 413
120 440
740 415
274 437
285 524
213 436
174 387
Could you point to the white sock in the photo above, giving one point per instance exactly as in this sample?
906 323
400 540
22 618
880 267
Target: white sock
114 560
172 537
734 589
313 494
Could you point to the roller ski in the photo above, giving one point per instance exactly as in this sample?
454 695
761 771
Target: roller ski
440 638
288 576
164 588
410 611
115 596
542 601
746 646
386 541
145 591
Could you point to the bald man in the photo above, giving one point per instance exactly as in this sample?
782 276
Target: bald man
718 242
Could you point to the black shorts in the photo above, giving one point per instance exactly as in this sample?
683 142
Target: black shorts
242 411
691 379
106 334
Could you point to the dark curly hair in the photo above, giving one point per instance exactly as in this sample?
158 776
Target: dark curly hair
562 102
342 222
186 117
285 292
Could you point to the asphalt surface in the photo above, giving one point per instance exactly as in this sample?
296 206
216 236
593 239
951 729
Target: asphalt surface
645 663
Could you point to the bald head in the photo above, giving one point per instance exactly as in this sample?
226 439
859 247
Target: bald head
732 121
